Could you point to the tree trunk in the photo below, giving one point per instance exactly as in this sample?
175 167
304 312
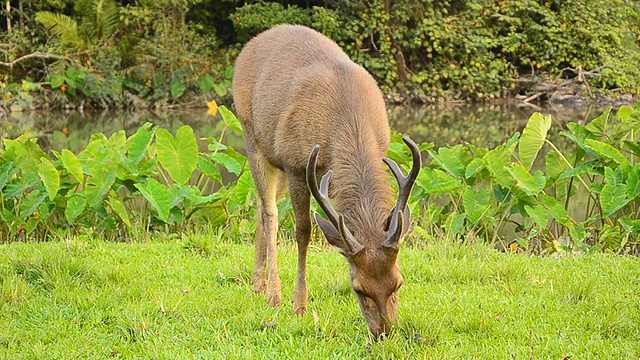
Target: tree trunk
9 16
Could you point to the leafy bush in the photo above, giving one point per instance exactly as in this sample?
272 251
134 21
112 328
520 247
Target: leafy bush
121 186
469 192
252 19
154 181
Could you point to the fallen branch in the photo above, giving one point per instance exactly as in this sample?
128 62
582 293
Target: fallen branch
37 54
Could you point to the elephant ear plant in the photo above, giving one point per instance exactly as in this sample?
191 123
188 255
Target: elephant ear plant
119 185
533 183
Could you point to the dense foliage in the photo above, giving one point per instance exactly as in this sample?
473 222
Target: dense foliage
114 53
520 194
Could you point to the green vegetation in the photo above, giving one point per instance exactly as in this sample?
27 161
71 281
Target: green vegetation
528 193
192 298
123 54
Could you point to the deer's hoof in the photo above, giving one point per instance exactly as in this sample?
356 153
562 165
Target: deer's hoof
300 310
274 300
259 288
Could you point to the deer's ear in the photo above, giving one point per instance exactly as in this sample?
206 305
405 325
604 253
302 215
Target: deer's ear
330 232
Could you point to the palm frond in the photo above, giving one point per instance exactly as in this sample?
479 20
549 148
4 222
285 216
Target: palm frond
107 18
60 25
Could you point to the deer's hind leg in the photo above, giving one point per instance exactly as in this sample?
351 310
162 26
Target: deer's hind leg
269 183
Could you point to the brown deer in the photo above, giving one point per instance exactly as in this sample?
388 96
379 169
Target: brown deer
297 93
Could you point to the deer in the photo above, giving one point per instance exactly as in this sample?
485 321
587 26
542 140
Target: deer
307 108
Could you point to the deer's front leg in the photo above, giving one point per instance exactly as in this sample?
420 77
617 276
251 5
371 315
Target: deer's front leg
300 202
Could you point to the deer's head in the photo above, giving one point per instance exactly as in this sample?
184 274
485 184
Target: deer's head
371 252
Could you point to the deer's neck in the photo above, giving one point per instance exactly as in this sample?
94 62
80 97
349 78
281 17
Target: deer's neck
360 184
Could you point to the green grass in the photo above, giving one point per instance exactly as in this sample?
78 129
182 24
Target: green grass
192 298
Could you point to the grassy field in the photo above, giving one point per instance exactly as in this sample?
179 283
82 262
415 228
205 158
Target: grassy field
192 298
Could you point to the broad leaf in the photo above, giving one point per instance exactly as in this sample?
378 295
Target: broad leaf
57 81
99 183
612 198
449 160
475 203
231 164
604 150
532 139
156 194
633 182
179 155
230 119
140 143
72 165
598 126
538 214
31 202
530 184
49 176
613 176
75 206
554 164
118 208
556 209
209 169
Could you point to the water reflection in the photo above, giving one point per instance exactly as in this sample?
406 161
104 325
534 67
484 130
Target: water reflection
447 124
481 125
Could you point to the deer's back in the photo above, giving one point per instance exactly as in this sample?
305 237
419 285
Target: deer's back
294 88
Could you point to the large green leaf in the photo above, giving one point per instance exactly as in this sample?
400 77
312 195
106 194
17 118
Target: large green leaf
604 150
157 195
476 203
449 160
612 198
435 181
118 208
139 143
75 206
230 163
230 119
31 202
531 184
538 215
57 81
244 189
179 155
554 164
99 183
556 210
633 182
598 126
532 139
49 176
496 161
209 169
72 165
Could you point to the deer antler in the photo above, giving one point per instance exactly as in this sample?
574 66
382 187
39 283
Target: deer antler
405 184
322 197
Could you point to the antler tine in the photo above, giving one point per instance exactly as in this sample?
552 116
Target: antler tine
321 195
405 184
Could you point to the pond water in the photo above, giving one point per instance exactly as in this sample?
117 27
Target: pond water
450 124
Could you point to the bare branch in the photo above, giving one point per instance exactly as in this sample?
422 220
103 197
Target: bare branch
37 54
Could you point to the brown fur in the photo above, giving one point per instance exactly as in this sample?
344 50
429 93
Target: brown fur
294 88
